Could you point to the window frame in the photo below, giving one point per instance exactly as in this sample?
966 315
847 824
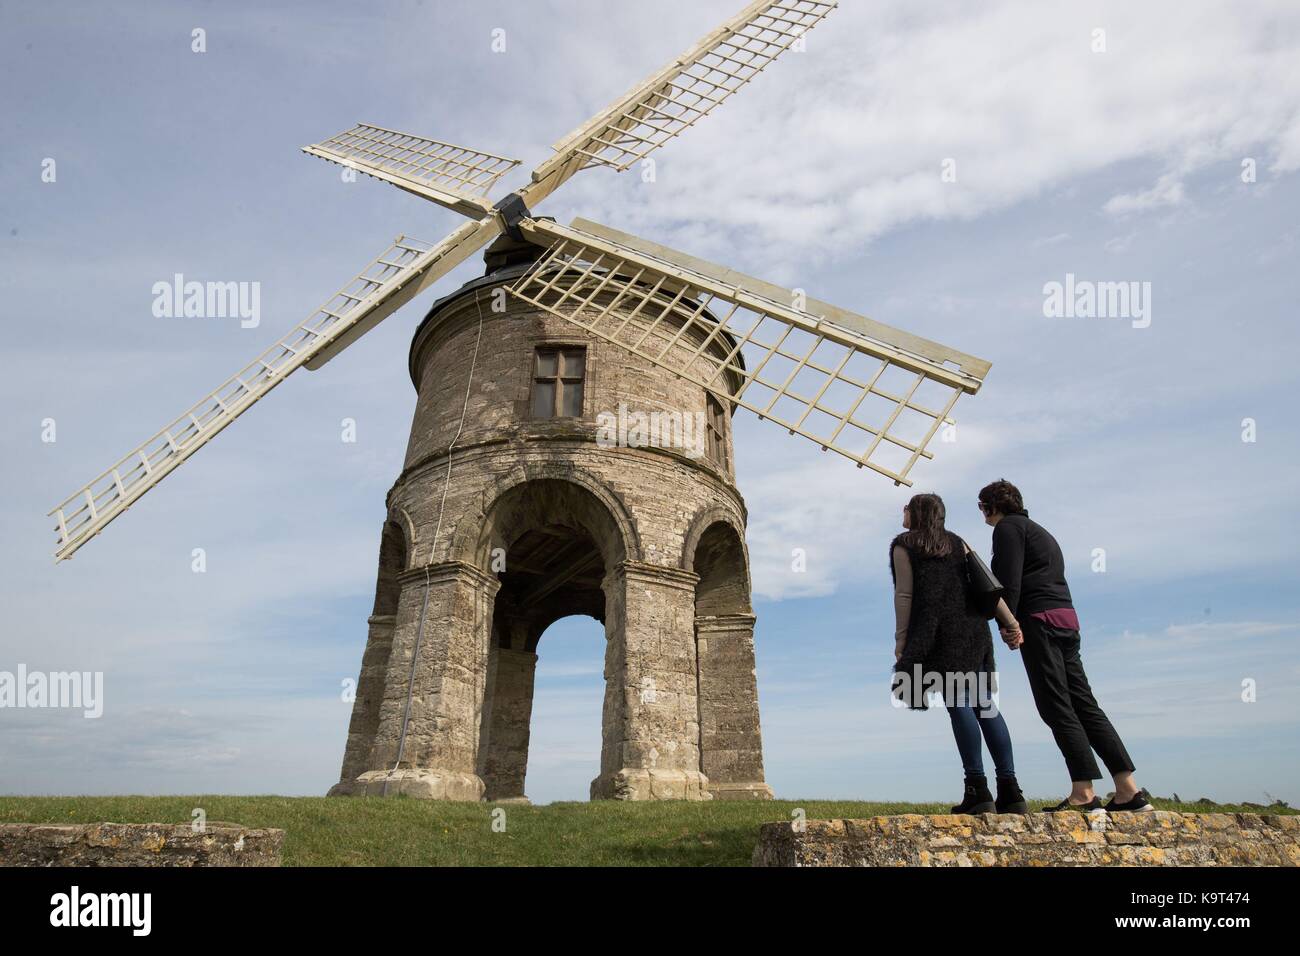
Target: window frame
561 351
715 430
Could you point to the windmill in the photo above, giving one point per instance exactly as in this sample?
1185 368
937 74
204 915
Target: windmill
874 394
584 258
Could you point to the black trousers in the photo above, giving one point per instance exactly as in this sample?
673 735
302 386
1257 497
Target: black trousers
1065 701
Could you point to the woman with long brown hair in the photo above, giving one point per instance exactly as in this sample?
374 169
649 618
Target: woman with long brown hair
942 643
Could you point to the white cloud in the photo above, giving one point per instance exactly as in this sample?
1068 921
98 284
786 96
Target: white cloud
1167 191
1010 91
1120 244
1288 151
1051 240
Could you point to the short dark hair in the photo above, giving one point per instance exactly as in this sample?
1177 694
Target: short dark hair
1001 496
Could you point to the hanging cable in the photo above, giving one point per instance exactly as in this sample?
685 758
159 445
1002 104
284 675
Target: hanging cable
424 603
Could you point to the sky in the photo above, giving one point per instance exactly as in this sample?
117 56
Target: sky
935 166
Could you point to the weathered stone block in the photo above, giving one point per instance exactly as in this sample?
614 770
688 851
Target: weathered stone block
137 844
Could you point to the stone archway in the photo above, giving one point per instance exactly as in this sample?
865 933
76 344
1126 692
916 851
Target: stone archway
569 547
731 748
552 544
453 717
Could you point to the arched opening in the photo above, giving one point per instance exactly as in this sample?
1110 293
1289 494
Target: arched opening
565 742
731 752
719 560
392 562
379 646
550 543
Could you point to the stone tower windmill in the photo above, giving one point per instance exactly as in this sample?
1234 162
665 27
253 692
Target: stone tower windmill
571 453
548 514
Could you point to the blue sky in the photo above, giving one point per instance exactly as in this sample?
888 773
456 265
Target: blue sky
1122 165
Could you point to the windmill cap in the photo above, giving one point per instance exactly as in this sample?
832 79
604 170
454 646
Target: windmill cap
506 252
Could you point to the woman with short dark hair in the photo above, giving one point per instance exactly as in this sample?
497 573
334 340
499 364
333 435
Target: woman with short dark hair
943 643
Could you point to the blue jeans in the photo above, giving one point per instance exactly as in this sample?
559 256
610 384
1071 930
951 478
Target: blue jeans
969 724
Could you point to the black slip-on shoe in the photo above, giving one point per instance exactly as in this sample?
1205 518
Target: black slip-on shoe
1092 805
1138 804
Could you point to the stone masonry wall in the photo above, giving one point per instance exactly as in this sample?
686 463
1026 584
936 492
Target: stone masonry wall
663 489
137 844
1159 838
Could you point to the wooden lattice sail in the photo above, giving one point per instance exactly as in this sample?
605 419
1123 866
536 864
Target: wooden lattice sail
454 176
678 96
872 393
393 278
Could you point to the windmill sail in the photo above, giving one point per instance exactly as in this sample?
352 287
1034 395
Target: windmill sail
872 393
689 88
401 272
453 176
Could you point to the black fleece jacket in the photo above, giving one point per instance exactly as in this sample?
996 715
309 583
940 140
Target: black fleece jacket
1028 562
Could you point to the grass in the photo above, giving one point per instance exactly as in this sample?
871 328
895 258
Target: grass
408 832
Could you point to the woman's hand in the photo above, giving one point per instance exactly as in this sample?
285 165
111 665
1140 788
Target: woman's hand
1009 626
898 649
1011 635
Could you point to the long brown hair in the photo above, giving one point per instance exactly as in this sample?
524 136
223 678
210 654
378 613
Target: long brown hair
927 534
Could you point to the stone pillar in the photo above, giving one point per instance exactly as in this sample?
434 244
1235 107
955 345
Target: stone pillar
440 757
370 693
650 748
731 745
505 747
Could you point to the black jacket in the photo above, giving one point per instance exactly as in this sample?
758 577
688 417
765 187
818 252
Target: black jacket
946 633
1028 562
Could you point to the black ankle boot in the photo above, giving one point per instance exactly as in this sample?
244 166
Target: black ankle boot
1010 799
977 798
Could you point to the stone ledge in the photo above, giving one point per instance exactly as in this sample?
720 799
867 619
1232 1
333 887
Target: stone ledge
421 783
1158 838
137 844
632 783
754 790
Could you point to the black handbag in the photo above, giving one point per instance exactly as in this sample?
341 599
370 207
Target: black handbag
983 587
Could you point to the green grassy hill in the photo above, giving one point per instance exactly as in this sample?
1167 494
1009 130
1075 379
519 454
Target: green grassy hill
405 832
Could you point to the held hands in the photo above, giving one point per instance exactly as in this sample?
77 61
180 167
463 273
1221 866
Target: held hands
1011 635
